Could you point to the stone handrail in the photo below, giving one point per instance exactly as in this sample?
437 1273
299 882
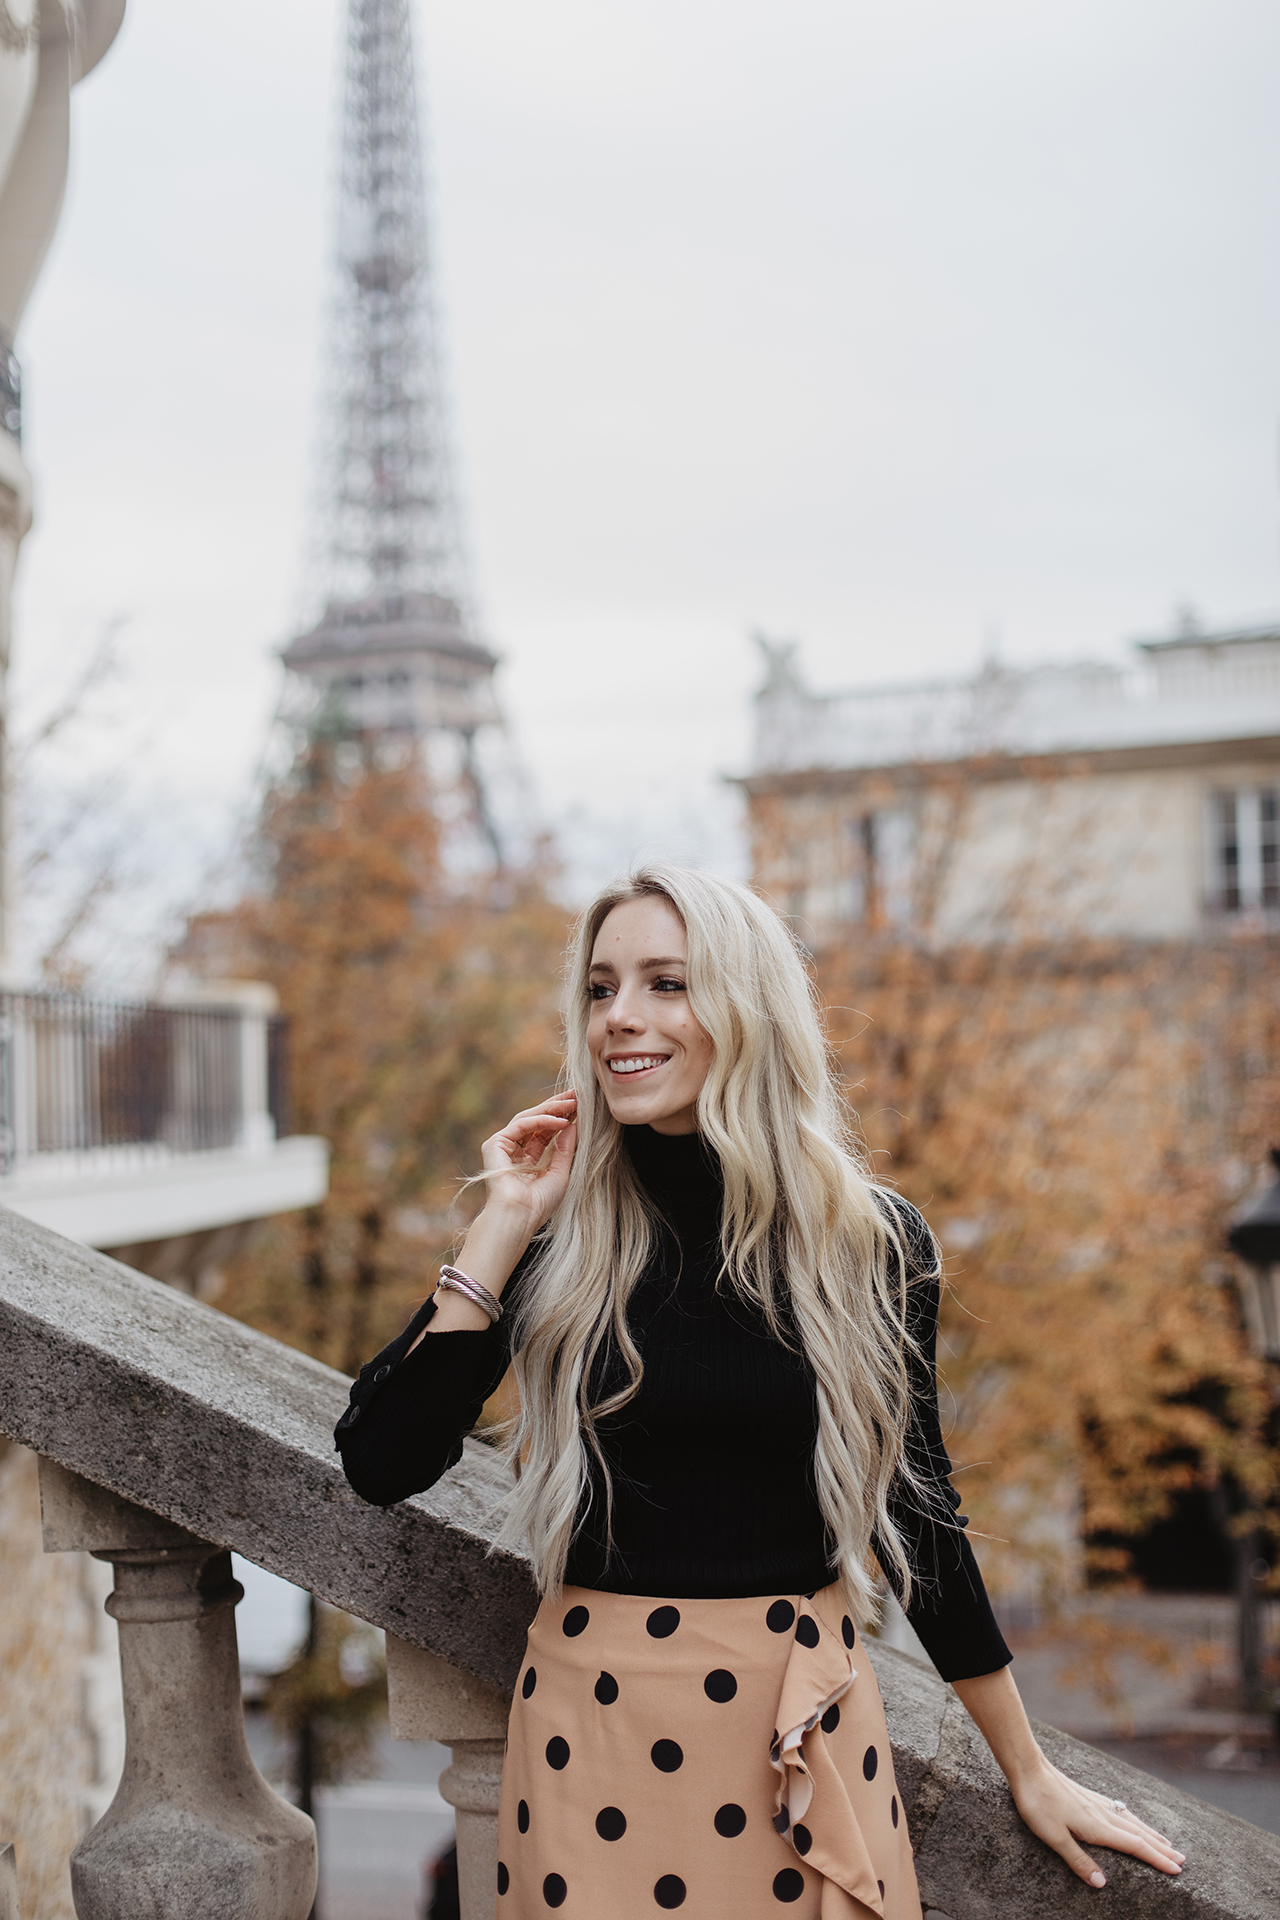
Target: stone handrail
185 1434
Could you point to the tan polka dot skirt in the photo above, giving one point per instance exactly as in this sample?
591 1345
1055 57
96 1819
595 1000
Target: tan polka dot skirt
726 1757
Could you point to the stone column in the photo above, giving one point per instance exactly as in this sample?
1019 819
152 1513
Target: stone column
194 1831
430 1700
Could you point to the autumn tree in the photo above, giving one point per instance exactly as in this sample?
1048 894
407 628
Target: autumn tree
1066 1117
421 1010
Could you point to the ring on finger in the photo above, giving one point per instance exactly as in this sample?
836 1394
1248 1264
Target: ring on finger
1118 1806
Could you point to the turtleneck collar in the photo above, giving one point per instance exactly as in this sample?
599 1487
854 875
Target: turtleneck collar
678 1171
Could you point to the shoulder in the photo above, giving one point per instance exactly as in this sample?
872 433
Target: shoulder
920 1249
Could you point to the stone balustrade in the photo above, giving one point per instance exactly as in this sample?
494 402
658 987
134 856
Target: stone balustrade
169 1434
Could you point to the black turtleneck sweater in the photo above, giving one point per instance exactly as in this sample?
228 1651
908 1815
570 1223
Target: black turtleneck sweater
712 1462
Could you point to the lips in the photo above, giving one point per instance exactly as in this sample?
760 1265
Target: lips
625 1065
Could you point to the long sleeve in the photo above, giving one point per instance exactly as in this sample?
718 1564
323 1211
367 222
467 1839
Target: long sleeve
410 1412
949 1607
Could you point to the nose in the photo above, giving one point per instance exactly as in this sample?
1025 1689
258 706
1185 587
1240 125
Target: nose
624 1011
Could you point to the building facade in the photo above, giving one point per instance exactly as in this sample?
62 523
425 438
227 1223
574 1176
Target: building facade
1137 801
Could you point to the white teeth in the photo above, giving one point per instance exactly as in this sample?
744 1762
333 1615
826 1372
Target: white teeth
637 1064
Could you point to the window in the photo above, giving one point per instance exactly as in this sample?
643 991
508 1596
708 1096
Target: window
880 883
1244 849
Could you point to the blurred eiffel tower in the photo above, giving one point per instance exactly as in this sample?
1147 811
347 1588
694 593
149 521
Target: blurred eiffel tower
393 657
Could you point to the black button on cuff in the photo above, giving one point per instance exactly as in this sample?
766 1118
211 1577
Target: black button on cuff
381 1374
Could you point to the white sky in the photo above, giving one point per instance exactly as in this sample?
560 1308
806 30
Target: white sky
890 328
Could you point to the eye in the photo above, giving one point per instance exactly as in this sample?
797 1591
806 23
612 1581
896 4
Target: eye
598 990
666 983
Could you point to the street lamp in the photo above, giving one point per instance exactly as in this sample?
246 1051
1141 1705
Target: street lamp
1254 1237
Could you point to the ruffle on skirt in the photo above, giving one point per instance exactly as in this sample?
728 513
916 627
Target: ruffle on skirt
727 1757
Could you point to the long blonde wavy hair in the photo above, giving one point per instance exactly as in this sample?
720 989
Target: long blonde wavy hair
803 1238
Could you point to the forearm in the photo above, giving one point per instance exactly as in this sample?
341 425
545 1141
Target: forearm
994 1704
490 1253
1065 1815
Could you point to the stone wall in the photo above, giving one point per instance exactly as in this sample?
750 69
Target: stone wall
50 1609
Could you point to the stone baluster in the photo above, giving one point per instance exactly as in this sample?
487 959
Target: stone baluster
8 1883
430 1700
194 1831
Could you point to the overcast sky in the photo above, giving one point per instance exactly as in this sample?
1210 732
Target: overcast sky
901 330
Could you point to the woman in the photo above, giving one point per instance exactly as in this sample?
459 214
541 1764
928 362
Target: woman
723 1337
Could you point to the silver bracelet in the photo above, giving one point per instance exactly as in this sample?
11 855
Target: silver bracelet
458 1282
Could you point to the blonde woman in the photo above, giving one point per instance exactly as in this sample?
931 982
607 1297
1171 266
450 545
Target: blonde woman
723 1335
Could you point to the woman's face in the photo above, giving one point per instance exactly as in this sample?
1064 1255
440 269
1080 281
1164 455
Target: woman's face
650 1055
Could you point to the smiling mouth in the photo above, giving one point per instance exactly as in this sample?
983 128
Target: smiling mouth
625 1064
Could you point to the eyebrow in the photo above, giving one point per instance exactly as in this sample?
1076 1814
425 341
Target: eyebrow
668 960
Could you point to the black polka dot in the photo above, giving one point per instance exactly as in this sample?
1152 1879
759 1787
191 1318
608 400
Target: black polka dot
558 1754
781 1820
730 1821
606 1689
720 1685
611 1823
504 1878
802 1838
554 1890
831 1718
575 1622
893 1809
780 1616
870 1761
788 1885
807 1630
522 1816
666 1756
670 1891
880 1884
846 1631
662 1622
529 1682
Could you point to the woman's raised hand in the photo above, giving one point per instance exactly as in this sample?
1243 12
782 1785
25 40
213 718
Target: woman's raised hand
520 1183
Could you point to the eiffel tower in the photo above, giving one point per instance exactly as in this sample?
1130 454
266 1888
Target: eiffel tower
394 656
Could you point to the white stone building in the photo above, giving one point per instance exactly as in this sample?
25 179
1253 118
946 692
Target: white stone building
1137 801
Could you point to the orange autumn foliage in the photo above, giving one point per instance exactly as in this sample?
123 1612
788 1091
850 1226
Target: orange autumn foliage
1074 1123
418 1007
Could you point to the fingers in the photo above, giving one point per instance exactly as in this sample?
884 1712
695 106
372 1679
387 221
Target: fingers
524 1140
1079 1862
1123 1830
1070 1815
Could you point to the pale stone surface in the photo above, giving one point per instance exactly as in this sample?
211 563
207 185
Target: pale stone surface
430 1700
194 1830
228 1433
473 1785
47 1634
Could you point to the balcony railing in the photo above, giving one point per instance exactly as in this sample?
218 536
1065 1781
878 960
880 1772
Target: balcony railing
169 1434
86 1076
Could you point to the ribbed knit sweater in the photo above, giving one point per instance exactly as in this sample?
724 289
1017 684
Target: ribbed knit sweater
711 1463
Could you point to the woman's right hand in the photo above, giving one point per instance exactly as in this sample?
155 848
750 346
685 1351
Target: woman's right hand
521 1188
522 1197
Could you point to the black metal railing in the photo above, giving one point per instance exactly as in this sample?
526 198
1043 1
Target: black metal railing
78 1075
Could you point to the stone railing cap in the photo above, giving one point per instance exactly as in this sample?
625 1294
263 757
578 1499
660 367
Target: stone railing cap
229 1434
